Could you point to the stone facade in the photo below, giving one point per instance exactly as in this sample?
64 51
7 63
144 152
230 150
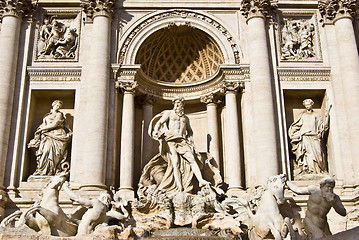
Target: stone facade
243 69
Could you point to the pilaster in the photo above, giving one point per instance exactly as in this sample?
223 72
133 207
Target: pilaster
211 100
147 101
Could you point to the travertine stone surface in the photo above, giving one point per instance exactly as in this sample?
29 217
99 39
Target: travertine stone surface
261 58
97 86
264 128
233 158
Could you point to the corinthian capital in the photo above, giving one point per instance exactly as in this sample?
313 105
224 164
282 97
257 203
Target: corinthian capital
211 98
253 8
94 8
333 9
127 86
229 86
18 8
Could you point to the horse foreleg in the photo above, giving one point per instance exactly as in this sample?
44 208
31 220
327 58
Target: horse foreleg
275 231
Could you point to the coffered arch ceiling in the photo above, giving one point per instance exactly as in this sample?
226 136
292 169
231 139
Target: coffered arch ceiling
179 54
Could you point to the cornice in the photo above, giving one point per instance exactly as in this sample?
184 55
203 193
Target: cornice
304 74
41 74
192 90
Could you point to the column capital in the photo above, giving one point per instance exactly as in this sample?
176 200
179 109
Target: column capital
211 98
146 99
94 8
332 10
127 86
17 8
256 8
231 86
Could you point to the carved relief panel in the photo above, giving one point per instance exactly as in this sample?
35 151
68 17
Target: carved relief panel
57 36
298 37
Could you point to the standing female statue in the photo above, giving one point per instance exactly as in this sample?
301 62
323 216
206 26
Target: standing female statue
50 142
306 137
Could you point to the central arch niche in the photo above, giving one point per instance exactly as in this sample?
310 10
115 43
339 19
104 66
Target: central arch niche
179 54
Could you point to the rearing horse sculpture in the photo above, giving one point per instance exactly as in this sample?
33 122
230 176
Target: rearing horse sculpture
266 218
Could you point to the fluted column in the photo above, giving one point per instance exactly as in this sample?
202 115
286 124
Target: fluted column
147 149
127 139
264 121
97 86
211 101
340 13
232 144
13 11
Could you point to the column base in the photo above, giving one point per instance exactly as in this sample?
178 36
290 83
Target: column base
127 193
93 187
235 192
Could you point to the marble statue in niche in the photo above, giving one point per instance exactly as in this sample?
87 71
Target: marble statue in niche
320 201
57 40
174 168
306 137
297 39
51 141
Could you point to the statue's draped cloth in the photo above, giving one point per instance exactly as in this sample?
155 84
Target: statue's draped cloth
306 140
159 170
51 146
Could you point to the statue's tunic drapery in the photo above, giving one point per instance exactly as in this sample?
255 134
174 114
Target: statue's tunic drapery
159 170
306 138
52 146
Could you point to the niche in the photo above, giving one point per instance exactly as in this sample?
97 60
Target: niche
308 158
40 105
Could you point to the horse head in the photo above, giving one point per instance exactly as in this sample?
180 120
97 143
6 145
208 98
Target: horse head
275 185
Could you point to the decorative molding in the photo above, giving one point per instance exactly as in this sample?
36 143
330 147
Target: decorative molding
256 8
17 8
93 8
331 10
185 14
37 74
193 90
290 74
